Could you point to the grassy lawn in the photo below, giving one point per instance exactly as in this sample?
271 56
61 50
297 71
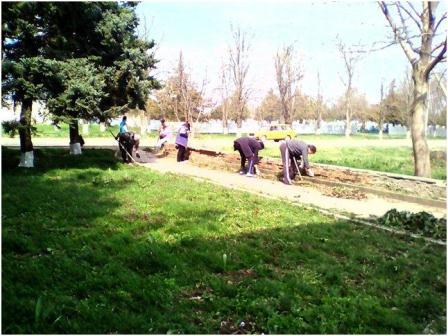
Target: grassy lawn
387 159
49 131
90 245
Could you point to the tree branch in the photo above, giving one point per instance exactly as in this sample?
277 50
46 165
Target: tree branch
440 21
414 10
404 43
436 60
411 16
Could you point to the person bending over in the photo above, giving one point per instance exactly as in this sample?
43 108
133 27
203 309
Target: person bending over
164 134
248 148
182 141
299 150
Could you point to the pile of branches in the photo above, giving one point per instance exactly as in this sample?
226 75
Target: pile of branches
421 223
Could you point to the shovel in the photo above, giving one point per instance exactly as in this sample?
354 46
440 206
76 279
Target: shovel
297 167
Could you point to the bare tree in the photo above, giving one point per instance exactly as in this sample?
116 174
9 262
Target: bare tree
350 58
319 105
441 81
239 67
184 98
437 101
288 76
224 90
202 101
423 59
381 114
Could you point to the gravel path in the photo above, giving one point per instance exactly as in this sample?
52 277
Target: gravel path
364 208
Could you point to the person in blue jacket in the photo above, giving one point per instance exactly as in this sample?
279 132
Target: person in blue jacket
123 125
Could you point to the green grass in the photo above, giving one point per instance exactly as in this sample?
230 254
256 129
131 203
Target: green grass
50 131
394 160
90 245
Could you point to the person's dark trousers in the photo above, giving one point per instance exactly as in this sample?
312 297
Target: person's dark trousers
129 147
124 156
243 160
126 147
181 151
236 146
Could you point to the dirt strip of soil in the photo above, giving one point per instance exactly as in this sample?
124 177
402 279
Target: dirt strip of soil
363 207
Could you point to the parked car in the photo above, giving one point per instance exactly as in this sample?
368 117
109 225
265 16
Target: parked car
276 133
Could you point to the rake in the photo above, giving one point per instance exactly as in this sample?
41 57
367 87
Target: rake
121 146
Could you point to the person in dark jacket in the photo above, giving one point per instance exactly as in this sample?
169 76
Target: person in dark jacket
127 143
299 150
248 148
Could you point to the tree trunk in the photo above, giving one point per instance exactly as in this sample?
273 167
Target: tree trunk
381 121
422 164
239 124
142 121
380 126
26 144
75 139
225 123
348 113
318 121
287 119
347 124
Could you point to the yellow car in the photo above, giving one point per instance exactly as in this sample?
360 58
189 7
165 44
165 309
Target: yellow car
276 133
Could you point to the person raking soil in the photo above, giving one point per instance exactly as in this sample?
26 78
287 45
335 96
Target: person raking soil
248 148
295 150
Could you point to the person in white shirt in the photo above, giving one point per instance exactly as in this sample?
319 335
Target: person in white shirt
164 134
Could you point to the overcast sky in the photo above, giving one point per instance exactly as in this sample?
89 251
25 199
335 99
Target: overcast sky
201 29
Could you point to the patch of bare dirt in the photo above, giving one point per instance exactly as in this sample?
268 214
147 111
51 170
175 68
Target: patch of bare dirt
239 275
339 175
342 192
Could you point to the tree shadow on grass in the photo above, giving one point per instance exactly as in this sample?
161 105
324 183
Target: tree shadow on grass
318 278
53 158
98 264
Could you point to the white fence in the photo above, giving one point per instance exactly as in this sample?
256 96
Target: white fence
303 127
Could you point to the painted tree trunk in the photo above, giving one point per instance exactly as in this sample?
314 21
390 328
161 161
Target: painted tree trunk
318 122
225 122
143 122
380 127
348 114
422 164
26 144
75 145
347 124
